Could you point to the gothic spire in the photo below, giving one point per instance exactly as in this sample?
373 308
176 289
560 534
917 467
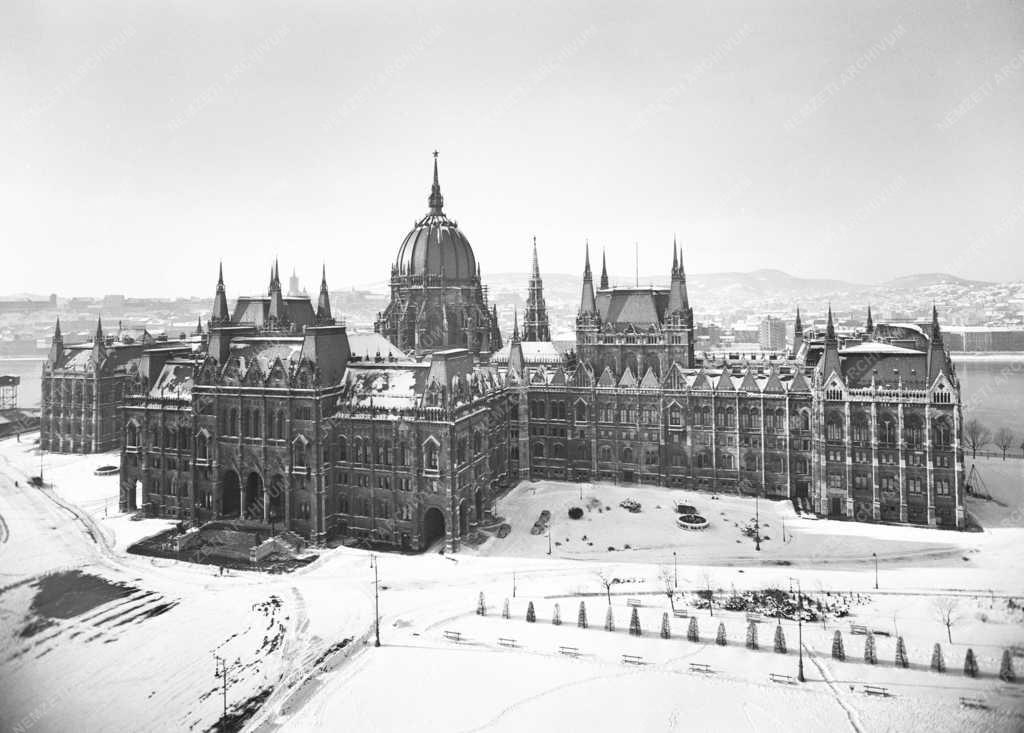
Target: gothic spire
871 323
675 257
604 271
830 329
936 350
99 344
199 326
515 326
323 305
587 303
220 300
535 325
56 355
936 331
436 200
798 326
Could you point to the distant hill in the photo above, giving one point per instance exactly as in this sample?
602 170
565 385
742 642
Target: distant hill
928 279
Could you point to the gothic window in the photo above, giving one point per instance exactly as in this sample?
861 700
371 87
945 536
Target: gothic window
478 442
279 425
343 504
627 454
942 433
246 419
913 431
299 452
800 466
752 462
675 416
256 426
430 456
132 435
513 411
834 429
342 448
887 431
538 450
775 464
651 456
726 460
233 421
402 454
606 453
558 451
859 430
201 447
581 412
460 451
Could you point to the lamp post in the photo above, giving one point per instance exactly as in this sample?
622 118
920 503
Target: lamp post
800 629
513 583
675 570
376 601
757 524
549 540
221 667
875 555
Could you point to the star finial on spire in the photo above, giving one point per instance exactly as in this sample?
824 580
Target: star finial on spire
436 200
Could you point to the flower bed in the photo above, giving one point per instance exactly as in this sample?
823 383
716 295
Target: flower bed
692 521
106 471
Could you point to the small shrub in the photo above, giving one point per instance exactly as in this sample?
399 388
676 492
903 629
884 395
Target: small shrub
634 624
666 631
751 635
838 652
1006 673
481 608
938 663
581 619
901 653
609 620
531 615
692 632
556 617
970 664
780 640
720 637
575 513
504 610
869 649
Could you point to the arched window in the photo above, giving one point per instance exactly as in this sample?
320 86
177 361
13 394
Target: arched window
834 429
675 416
752 462
581 412
913 430
279 425
299 452
257 428
233 421
460 451
627 454
606 453
201 447
804 419
342 448
478 442
170 437
131 438
703 460
538 450
775 464
942 433
403 457
887 430
430 456
558 451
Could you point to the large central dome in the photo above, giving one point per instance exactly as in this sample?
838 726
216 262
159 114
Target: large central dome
435 246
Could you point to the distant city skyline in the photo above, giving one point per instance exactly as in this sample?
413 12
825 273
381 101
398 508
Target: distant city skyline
145 144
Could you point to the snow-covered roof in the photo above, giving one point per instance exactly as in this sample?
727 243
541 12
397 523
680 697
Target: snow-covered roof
534 352
385 386
876 347
174 380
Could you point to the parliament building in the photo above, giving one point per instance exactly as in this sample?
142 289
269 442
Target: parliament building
406 436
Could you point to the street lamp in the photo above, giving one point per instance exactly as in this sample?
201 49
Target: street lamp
675 570
549 540
757 524
875 555
376 601
800 628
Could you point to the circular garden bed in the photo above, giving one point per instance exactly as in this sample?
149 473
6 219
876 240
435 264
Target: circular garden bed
106 470
692 521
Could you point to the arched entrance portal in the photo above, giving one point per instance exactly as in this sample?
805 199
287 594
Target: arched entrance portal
275 500
253 506
230 494
433 527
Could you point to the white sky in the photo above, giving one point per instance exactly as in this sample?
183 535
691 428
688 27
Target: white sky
140 144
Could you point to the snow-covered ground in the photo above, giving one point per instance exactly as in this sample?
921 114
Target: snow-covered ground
143 657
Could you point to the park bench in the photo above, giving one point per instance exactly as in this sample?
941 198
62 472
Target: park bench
876 690
755 617
569 651
858 629
502 641
680 613
881 632
700 667
973 702
634 602
784 679
453 636
632 659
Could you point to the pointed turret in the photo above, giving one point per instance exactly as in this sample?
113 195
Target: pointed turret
798 333
220 301
604 272
515 326
588 305
535 325
830 359
99 343
199 326
870 326
276 313
436 200
678 300
56 355
323 304
937 359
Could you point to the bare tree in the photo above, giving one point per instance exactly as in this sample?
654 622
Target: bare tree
947 608
1003 439
976 436
607 581
668 582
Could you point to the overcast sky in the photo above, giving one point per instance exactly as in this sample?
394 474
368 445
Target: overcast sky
862 140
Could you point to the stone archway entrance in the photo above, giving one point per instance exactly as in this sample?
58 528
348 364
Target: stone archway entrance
252 507
275 500
433 527
230 494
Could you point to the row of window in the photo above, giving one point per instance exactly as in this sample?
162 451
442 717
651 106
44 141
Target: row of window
888 431
889 483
